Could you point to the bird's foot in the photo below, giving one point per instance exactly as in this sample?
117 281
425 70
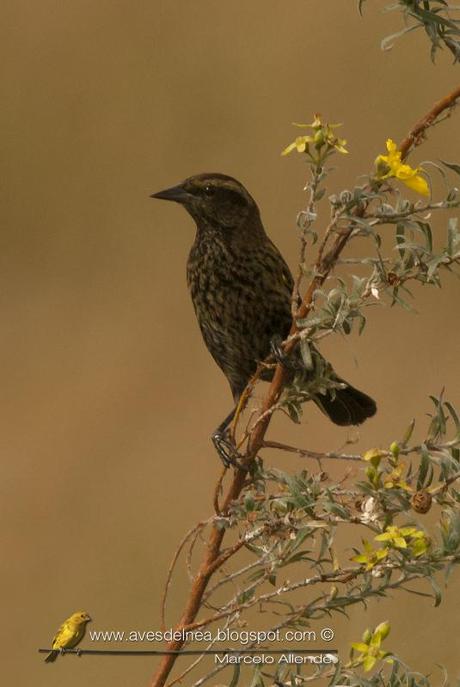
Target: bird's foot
281 357
227 451
78 652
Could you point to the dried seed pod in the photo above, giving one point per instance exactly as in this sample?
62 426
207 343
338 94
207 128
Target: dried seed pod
421 501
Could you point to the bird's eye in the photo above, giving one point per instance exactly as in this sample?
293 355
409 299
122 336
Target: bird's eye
209 190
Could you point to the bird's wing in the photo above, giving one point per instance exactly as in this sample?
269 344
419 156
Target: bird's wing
63 636
287 277
286 272
57 637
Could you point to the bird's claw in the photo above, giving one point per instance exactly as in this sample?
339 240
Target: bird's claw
227 450
281 357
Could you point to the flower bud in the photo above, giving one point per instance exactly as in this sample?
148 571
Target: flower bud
319 138
394 448
367 636
383 629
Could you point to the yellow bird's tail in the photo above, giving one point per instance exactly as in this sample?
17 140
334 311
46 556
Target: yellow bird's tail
51 656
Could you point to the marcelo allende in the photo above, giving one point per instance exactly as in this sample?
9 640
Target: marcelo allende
289 658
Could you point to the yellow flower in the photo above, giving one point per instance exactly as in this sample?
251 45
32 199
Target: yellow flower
370 648
300 144
391 165
396 536
374 456
370 558
339 144
405 537
393 479
322 135
315 124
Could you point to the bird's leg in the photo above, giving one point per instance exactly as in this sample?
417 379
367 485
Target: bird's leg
287 361
78 652
225 448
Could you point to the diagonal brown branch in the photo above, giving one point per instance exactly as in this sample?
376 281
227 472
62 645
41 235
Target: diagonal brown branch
417 133
325 263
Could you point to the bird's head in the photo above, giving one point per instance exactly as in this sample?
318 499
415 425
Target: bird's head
215 200
80 618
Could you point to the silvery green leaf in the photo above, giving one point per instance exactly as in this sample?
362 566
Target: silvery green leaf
386 210
426 229
423 468
453 237
453 166
236 675
309 322
359 284
436 590
454 416
434 264
305 351
362 323
257 680
408 434
388 42
400 301
400 239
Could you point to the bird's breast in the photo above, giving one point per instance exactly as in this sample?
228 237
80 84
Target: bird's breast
221 281
239 292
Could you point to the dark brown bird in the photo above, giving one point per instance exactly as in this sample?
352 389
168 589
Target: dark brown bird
241 290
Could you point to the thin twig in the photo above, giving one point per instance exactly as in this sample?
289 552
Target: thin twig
342 576
172 565
232 576
189 556
196 662
304 452
218 490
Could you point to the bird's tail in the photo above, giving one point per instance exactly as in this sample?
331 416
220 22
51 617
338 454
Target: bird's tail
51 656
347 406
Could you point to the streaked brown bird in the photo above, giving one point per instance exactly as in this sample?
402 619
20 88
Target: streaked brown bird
241 290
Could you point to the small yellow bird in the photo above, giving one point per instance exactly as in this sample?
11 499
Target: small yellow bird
69 634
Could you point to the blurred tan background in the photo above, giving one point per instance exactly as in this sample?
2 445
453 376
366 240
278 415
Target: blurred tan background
107 393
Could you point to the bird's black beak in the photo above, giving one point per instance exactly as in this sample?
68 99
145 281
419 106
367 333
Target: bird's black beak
176 193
